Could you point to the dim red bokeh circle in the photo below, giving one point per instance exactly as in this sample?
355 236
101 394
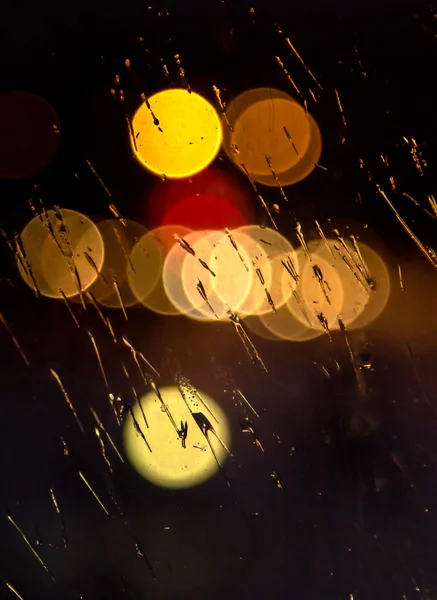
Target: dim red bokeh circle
213 199
29 134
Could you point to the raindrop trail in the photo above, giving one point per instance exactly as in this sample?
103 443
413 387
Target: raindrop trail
322 369
184 244
103 449
13 590
401 283
135 394
137 426
222 107
260 198
91 298
205 427
185 384
117 214
82 476
324 323
293 49
302 241
288 265
29 545
234 244
351 268
276 480
111 330
14 339
270 300
201 289
205 266
66 249
302 308
243 397
276 178
247 427
415 239
96 350
340 107
322 283
147 103
164 405
56 505
120 243
356 247
67 398
361 269
20 256
93 265
131 132
111 441
136 353
325 241
248 345
288 76
97 176
289 138
70 310
120 299
358 375
140 552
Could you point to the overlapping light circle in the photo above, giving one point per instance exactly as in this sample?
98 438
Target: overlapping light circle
148 257
176 133
56 246
335 283
207 275
113 287
214 272
271 136
167 463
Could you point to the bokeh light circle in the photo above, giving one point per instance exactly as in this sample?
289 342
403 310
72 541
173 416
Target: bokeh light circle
174 285
169 465
75 237
212 199
228 281
148 258
119 239
273 250
178 134
29 134
271 130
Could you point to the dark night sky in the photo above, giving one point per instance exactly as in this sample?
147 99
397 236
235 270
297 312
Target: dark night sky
325 534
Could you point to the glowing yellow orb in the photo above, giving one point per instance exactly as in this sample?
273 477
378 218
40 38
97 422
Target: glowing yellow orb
176 133
167 463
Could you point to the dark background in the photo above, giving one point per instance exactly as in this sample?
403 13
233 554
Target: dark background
328 533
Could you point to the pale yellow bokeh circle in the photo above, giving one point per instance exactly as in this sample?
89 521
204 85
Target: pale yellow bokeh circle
179 135
169 464
231 283
56 247
277 250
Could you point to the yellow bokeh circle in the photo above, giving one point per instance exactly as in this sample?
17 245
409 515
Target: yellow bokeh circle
176 133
